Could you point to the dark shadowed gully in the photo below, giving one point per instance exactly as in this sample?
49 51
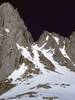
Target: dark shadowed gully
41 70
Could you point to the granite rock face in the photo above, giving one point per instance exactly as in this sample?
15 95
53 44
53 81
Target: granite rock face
12 31
70 46
64 48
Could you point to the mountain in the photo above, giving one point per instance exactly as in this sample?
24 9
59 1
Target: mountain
12 31
45 69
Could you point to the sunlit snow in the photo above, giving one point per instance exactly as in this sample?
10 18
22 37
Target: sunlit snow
47 37
7 30
56 39
24 52
1 35
64 52
17 73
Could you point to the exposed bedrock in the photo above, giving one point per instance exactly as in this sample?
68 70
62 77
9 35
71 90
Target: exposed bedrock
12 31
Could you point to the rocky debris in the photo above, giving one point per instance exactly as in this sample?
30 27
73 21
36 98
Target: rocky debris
50 98
31 70
29 94
5 86
64 85
45 86
12 31
47 63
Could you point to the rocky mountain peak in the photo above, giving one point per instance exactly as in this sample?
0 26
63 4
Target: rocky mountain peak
12 31
34 70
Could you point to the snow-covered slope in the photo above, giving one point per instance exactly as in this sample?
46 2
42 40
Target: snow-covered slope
47 73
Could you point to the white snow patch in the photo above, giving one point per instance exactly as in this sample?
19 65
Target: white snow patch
1 35
24 52
47 37
73 63
7 30
17 73
39 48
36 55
62 50
43 45
56 39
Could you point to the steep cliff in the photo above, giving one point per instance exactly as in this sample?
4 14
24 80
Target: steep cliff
12 31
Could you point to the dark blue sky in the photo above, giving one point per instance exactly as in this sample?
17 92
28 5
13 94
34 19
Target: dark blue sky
40 15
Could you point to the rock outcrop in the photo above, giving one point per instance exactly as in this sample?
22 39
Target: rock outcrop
64 48
70 46
12 31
